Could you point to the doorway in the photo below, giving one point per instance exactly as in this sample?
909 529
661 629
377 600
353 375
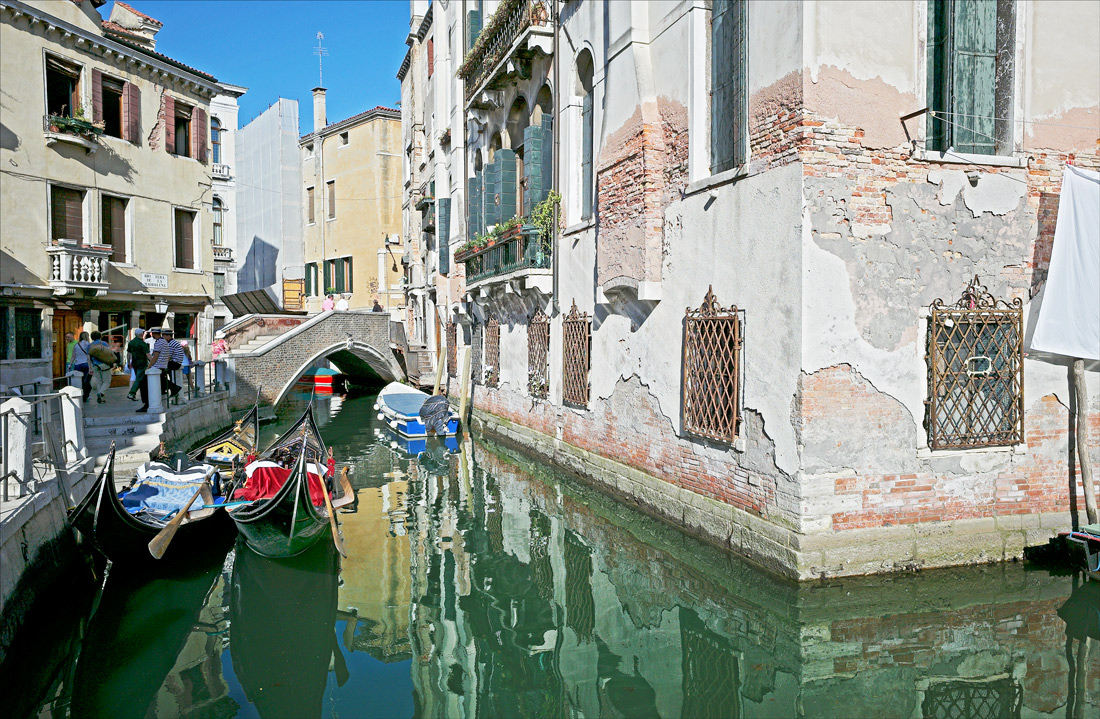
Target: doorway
63 321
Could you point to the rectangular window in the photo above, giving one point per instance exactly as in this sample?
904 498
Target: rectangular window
586 156
182 123
711 372
110 105
62 87
67 214
309 206
975 372
971 52
347 275
311 279
113 224
219 285
28 333
431 56
309 150
4 334
327 265
576 356
185 239
331 189
728 95
344 138
338 274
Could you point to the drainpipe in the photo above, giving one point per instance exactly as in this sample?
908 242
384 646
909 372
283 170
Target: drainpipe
465 145
556 159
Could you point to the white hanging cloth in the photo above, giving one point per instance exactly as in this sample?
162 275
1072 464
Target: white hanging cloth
1069 319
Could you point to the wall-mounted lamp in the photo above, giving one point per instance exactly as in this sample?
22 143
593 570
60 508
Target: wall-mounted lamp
160 306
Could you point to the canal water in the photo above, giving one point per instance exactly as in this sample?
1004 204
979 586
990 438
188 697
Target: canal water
483 584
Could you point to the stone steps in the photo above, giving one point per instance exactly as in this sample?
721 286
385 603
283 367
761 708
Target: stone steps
254 344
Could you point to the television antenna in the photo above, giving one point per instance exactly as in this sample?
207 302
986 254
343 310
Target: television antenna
320 51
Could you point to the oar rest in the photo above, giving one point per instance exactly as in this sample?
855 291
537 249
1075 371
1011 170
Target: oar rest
207 499
347 493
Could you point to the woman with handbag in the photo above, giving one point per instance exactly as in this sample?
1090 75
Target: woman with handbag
82 363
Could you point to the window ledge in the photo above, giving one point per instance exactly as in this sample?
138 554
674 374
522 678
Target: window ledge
925 452
715 180
965 158
128 265
54 137
579 227
186 271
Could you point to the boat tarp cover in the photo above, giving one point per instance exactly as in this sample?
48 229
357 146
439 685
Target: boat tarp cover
407 404
160 489
265 481
435 413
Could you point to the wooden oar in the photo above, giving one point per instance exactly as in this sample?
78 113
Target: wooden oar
332 520
159 544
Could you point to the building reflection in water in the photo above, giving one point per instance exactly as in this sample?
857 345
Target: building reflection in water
534 597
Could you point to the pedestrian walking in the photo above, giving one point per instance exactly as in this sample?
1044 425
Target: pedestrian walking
178 356
342 304
82 363
103 360
328 304
138 350
377 307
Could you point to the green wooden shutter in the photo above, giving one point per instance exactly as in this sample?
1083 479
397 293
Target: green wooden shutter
309 280
937 73
339 283
547 155
473 28
328 276
586 156
474 210
506 162
974 76
728 108
535 151
443 232
493 192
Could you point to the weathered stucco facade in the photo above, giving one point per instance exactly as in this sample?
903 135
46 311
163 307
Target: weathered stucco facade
832 238
75 281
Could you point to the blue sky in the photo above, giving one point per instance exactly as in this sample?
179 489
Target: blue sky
267 46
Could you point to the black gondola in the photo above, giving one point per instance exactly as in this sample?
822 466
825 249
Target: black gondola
124 538
282 638
288 523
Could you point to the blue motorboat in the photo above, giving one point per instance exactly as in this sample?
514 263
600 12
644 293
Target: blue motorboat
399 407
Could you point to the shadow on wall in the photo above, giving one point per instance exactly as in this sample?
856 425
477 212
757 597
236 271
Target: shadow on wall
260 266
8 139
14 272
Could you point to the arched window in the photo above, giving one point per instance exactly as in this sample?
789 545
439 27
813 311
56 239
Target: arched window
217 209
585 71
518 121
215 140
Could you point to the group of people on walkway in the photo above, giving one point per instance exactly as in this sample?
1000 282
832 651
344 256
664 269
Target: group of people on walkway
95 360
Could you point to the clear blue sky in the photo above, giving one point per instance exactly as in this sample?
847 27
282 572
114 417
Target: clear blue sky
267 46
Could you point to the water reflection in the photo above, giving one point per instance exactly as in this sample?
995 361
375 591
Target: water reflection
480 584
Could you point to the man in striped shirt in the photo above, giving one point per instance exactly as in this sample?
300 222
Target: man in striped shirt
162 356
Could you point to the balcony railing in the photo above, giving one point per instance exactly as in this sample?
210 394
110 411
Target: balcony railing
221 252
523 250
510 21
220 171
78 267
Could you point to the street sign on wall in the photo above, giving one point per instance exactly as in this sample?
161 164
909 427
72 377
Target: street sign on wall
154 281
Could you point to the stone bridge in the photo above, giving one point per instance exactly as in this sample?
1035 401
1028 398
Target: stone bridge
357 343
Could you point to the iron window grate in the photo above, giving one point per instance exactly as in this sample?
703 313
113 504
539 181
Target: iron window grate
538 355
492 353
711 370
576 356
975 372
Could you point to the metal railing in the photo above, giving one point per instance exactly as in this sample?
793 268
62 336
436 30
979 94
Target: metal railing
524 250
41 387
42 407
510 20
198 379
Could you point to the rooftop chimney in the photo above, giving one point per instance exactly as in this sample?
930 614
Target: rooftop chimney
319 120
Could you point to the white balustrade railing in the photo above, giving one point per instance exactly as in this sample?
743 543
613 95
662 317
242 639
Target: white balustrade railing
75 267
220 171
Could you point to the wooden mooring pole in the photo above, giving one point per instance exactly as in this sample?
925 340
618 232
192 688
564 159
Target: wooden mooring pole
1081 420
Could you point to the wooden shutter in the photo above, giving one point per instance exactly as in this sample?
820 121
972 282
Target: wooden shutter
67 214
332 198
473 28
339 283
443 232
185 240
309 199
473 215
309 280
328 276
198 134
114 226
431 56
586 156
728 108
131 113
973 76
97 96
170 124
347 276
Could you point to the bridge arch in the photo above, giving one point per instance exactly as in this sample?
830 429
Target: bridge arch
344 355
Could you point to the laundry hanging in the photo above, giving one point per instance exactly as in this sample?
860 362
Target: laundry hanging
1069 319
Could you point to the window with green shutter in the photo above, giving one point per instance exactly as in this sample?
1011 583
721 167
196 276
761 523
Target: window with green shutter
443 232
585 72
474 214
971 50
506 166
310 270
339 282
28 333
328 276
728 95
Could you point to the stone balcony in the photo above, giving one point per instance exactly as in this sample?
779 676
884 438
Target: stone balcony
222 253
517 264
220 171
503 50
75 267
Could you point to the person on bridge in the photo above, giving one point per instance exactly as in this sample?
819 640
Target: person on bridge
377 307
138 350
101 366
342 304
82 363
328 304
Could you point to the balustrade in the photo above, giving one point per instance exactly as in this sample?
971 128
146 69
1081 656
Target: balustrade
509 22
74 267
522 250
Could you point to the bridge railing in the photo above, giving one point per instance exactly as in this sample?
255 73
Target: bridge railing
43 427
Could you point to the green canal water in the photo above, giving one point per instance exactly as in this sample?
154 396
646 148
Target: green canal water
483 584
